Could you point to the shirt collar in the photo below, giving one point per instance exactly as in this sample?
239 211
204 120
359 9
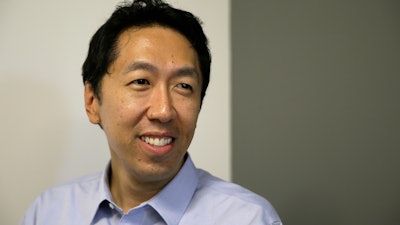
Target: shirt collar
170 203
103 195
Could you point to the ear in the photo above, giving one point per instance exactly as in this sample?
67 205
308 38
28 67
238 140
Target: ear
91 104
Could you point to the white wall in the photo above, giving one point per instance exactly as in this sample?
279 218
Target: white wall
45 137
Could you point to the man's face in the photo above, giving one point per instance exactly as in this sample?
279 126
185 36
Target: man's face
149 103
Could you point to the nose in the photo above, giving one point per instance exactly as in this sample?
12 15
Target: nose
161 106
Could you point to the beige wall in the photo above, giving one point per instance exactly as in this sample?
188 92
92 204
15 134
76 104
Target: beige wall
45 136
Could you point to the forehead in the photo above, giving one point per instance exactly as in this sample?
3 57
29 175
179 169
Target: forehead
160 45
153 38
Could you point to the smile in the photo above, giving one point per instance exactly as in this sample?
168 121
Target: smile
158 142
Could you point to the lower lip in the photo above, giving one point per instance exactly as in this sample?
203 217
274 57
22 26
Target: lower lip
158 150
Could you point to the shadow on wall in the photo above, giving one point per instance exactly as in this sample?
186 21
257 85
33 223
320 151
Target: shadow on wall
33 125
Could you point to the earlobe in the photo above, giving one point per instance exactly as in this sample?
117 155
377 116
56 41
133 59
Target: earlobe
91 104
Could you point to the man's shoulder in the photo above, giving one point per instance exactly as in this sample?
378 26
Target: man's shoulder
84 184
212 184
58 203
230 203
64 195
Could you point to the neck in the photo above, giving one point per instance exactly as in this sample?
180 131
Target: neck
129 190
136 195
127 193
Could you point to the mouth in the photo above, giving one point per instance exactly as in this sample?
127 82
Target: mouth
157 141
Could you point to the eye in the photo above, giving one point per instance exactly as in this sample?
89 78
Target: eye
185 86
141 82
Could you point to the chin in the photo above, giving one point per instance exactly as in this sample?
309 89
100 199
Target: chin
159 173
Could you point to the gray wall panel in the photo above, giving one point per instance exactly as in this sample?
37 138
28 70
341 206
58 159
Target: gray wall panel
316 108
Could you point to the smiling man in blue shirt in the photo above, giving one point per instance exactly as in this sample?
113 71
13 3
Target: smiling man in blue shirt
145 77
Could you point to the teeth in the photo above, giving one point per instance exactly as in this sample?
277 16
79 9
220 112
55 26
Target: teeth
159 142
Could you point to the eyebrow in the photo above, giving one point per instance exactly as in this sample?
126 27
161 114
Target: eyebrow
142 65
187 71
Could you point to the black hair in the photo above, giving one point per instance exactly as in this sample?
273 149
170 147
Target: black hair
143 13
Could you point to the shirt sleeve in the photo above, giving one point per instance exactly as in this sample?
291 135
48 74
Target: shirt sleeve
30 216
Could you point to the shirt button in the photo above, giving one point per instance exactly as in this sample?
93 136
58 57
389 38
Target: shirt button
111 205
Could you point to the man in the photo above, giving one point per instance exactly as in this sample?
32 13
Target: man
145 77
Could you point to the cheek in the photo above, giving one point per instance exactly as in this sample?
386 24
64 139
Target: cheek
190 126
120 111
189 114
129 112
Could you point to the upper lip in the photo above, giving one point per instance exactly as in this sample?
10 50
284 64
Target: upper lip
158 134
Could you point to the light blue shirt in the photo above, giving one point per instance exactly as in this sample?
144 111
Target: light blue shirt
192 197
